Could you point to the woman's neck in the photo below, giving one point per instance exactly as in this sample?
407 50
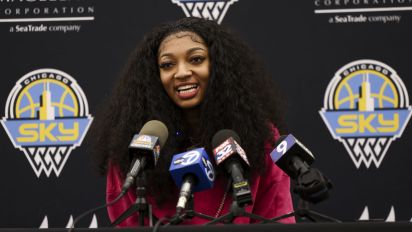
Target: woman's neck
192 119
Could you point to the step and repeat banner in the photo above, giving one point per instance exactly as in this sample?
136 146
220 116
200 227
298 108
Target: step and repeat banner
344 67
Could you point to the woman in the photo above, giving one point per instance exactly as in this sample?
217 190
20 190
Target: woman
197 78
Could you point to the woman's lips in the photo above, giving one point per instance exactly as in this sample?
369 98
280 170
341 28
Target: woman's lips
187 91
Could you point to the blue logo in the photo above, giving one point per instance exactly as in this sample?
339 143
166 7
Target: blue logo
366 107
207 9
46 117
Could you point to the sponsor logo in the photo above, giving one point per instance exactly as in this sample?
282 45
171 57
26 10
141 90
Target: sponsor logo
223 151
46 15
208 166
187 158
142 141
207 9
357 11
366 107
46 117
190 157
146 142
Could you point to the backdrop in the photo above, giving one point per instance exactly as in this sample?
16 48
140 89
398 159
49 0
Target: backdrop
343 66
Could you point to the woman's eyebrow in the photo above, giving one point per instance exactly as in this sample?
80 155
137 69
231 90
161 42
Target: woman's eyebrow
195 49
187 52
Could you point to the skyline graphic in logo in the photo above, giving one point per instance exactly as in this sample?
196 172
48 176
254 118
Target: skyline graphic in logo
207 9
366 107
46 117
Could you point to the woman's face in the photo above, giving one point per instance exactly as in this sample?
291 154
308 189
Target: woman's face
184 65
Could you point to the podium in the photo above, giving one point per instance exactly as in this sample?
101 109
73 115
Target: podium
299 227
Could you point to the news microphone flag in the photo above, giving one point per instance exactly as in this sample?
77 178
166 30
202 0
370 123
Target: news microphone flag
229 153
146 144
145 148
195 162
226 149
287 150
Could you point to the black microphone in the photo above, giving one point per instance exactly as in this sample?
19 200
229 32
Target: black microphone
295 159
291 156
227 150
145 147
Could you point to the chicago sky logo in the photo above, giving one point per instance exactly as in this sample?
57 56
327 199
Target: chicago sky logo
207 9
47 116
366 107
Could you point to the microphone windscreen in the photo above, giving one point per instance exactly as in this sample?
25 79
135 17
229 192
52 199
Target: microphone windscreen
223 135
156 128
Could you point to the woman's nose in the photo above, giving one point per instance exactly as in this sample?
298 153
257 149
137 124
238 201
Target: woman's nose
182 71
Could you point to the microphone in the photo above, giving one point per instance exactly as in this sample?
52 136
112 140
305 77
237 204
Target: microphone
295 159
227 151
291 156
192 171
145 147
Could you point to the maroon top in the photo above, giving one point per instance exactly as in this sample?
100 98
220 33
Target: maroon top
270 194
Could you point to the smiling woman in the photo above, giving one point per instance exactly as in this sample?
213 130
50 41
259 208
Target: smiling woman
198 78
184 68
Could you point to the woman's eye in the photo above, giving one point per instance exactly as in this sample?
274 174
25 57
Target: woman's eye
197 59
165 65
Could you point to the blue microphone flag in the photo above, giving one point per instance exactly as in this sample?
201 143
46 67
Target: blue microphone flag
195 162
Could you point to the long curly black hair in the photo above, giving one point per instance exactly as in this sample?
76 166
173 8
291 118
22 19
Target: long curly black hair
240 96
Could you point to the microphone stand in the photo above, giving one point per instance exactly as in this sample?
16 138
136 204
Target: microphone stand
236 211
189 214
241 197
311 186
141 206
304 212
